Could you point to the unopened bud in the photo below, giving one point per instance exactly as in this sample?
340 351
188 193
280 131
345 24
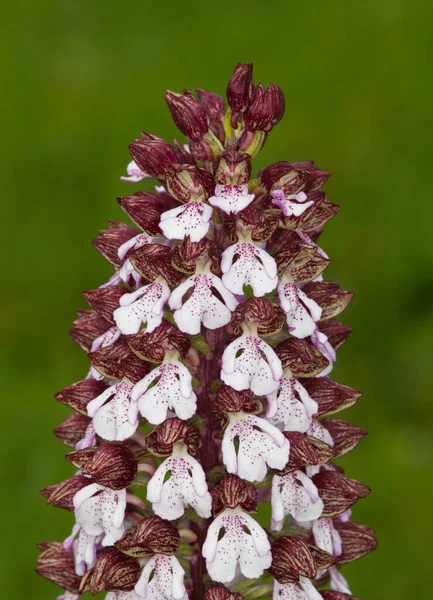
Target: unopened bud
213 104
240 89
153 155
188 114
266 109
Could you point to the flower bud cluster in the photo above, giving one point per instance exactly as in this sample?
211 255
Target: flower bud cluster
209 390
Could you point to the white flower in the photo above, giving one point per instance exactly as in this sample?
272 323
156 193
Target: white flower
320 341
293 204
304 590
202 306
161 579
172 390
231 198
260 445
302 312
186 486
101 510
291 405
254 267
296 495
110 412
103 341
146 305
189 219
84 548
135 174
326 537
235 537
244 365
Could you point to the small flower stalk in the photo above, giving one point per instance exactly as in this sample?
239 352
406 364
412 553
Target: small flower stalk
210 387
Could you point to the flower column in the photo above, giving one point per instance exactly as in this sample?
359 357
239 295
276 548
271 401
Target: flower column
210 350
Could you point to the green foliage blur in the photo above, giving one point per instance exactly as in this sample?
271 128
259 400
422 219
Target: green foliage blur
80 79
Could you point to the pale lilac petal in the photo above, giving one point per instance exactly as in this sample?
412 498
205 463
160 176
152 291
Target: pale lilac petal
135 174
291 205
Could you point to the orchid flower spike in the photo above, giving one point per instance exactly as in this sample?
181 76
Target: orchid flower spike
211 348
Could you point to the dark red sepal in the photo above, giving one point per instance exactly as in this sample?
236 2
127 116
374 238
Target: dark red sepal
105 300
153 260
269 318
331 396
57 564
145 210
240 89
162 437
336 332
112 571
328 295
110 465
231 492
87 328
153 155
109 241
358 540
152 347
61 494
338 492
266 109
118 361
303 359
188 114
151 536
293 558
72 429
344 434
79 394
306 451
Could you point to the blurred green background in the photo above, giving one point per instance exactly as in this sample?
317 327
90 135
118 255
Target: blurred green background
80 79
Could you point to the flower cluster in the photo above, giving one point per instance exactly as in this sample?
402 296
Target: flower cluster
209 389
